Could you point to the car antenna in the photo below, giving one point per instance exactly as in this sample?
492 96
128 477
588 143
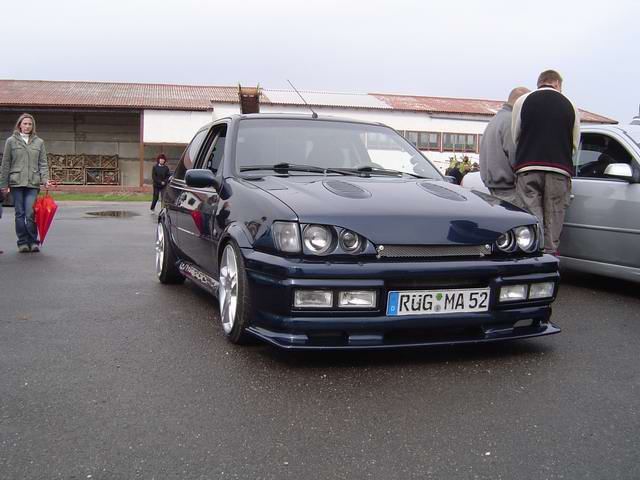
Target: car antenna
313 114
636 120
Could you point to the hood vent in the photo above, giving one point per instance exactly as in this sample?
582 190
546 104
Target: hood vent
442 192
346 189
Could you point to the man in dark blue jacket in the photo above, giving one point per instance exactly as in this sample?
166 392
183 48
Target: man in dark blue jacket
545 126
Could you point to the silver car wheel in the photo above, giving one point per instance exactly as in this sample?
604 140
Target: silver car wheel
228 290
160 246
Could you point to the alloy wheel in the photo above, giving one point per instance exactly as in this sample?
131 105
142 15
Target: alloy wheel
160 246
228 290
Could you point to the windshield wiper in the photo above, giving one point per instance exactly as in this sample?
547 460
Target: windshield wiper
297 167
381 171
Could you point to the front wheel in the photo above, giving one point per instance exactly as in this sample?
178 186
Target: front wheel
165 258
233 295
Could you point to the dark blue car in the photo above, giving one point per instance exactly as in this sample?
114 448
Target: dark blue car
330 233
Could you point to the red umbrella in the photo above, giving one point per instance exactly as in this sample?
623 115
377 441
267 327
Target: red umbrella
44 209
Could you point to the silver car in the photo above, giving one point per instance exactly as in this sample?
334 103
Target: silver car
601 231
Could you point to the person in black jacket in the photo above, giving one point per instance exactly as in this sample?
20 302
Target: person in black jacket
545 126
160 176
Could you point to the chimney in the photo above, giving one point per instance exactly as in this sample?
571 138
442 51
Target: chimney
249 99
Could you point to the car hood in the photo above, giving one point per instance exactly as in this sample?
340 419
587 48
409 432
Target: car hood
397 211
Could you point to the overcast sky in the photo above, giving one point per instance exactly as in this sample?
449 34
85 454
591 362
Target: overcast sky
452 48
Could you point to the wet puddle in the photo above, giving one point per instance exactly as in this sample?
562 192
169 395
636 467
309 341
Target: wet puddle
114 214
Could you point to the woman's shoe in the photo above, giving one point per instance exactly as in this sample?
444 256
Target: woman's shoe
23 248
34 248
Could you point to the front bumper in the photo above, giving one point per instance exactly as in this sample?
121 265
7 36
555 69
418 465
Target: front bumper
272 280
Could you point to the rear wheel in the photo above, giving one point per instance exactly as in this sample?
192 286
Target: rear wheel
165 258
233 295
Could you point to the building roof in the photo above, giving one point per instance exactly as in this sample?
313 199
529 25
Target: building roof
441 104
323 99
39 93
68 94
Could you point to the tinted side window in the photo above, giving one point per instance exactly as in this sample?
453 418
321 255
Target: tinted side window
189 155
598 151
215 154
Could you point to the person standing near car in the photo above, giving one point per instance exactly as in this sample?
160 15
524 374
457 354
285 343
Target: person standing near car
498 152
160 175
546 130
24 168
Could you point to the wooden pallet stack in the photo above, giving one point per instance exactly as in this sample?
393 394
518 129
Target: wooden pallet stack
83 169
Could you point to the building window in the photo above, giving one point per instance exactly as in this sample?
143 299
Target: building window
423 140
412 137
380 141
460 142
429 141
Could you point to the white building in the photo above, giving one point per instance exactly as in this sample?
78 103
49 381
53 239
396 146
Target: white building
138 121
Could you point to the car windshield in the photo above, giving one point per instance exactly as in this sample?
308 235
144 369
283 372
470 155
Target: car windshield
314 146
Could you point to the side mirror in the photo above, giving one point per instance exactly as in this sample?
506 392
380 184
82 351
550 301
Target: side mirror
201 178
621 171
450 179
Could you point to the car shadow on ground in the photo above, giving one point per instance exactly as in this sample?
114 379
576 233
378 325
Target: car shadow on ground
435 355
598 282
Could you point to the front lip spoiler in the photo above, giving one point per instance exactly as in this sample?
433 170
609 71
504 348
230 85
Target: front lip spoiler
290 341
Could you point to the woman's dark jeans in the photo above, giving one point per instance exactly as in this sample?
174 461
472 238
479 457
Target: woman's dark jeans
26 231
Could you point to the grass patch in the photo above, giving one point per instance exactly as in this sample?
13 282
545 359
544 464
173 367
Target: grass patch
101 197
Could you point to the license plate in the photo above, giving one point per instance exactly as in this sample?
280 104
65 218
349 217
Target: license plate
429 302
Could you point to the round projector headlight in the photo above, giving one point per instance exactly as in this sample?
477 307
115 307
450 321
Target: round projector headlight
349 241
317 239
506 242
526 238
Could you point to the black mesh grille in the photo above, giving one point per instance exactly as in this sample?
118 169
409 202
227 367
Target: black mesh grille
428 251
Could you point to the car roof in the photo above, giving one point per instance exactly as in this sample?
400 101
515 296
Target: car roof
611 128
631 131
300 116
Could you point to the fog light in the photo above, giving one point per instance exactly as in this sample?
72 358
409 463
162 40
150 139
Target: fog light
313 299
357 299
541 290
523 323
512 293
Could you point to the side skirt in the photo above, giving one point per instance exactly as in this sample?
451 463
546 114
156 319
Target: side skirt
200 278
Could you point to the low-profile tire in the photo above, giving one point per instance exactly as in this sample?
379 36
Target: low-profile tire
234 296
165 257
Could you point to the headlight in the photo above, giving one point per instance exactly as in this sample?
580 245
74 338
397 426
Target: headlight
525 238
286 236
317 239
350 241
506 242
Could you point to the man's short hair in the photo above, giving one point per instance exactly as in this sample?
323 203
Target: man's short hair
515 94
549 76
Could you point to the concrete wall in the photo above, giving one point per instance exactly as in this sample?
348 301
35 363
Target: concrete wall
90 133
98 134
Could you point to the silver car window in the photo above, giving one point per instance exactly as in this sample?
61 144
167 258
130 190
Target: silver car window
597 151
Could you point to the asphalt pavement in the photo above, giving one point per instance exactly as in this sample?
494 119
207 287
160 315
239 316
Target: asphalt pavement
107 374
